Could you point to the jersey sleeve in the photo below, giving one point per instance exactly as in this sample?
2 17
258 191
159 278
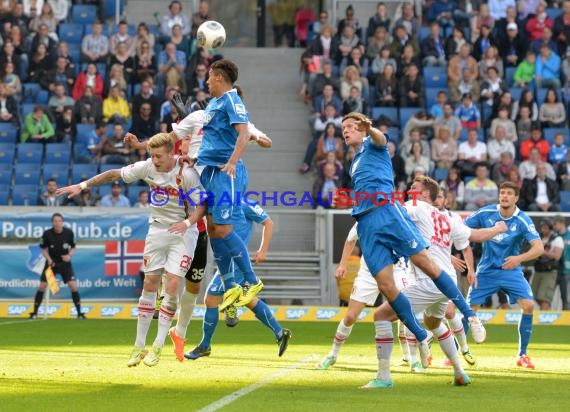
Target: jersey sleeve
237 113
192 183
194 120
254 213
414 209
71 239
44 241
136 171
254 131
460 232
353 234
474 221
530 232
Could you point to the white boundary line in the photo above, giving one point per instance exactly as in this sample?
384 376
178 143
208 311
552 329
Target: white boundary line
11 322
226 400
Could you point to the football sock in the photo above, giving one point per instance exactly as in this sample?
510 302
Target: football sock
403 342
146 310
167 311
239 254
456 327
448 287
525 331
448 347
209 324
342 333
38 301
265 316
76 301
187 303
223 260
384 345
412 345
403 309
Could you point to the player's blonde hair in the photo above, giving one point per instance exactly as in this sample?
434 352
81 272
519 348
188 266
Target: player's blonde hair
355 116
161 140
431 185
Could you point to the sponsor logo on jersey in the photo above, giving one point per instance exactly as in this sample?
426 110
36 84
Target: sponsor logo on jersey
84 309
487 315
512 317
500 237
326 314
110 311
548 318
199 313
51 309
363 314
296 313
135 312
17 310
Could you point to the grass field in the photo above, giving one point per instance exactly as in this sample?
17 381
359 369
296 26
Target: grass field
80 365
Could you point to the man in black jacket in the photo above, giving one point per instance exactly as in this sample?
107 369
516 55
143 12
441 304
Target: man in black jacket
540 194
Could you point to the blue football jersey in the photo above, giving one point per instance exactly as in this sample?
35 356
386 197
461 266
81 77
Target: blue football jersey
220 136
497 249
251 214
371 171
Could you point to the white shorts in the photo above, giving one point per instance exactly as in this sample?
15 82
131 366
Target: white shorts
426 297
365 288
169 252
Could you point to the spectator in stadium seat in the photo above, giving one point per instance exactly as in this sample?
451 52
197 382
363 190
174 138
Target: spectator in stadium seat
200 17
318 25
547 68
436 109
379 19
355 102
563 173
122 36
145 62
171 66
40 64
122 58
415 136
115 108
454 42
351 78
115 77
482 18
408 20
45 17
349 20
401 40
114 150
63 51
432 48
9 55
147 95
326 45
461 61
490 59
499 145
174 17
540 194
552 112
562 29
481 190
325 187
379 63
12 81
454 184
324 78
421 121
545 39
512 47
18 18
441 12
505 100
526 100
448 119
524 124
37 127
524 74
485 40
65 126
398 167
95 46
507 124
415 157
49 198
43 37
8 106
465 85
405 60
536 23
470 153
60 9
558 151
501 170
491 90
527 168
330 159
61 74
198 81
142 200
88 108
88 147
144 124
330 141
348 41
377 42
468 113
59 101
357 59
181 42
387 88
443 149
328 97
21 49
116 197
536 141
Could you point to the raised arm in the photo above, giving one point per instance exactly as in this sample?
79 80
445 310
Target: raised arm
98 180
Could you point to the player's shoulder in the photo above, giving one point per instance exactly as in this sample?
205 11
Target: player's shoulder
525 220
254 210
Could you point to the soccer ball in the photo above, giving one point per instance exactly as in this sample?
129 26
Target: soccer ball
211 35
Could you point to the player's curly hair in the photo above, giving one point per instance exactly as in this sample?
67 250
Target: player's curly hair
160 140
226 68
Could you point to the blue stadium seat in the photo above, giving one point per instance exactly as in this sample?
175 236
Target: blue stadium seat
516 92
5 173
464 132
509 73
431 96
553 12
101 68
131 29
104 190
25 195
27 174
565 200
550 132
440 174
7 152
31 92
110 7
154 29
27 108
72 33
435 77
394 134
84 129
424 33
89 30
30 153
75 54
134 194
406 113
59 172
58 153
83 14
4 195
80 172
541 95
8 132
110 166
389 112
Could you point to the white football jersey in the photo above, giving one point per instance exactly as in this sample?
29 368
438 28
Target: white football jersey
164 204
441 230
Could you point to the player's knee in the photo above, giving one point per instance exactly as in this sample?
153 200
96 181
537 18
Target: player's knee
350 319
384 312
192 287
450 312
212 301
527 306
431 322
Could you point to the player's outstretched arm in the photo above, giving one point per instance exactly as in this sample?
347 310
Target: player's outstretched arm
376 135
482 235
102 178
133 141
536 250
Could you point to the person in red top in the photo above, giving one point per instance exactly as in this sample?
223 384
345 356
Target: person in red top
536 24
89 77
536 140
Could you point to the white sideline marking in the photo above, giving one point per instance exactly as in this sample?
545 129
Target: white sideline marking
15 321
226 400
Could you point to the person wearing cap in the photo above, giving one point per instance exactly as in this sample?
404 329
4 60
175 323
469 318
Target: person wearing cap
115 198
512 47
546 266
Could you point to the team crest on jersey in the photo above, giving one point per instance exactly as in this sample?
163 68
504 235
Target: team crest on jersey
179 181
413 244
208 116
225 214
513 227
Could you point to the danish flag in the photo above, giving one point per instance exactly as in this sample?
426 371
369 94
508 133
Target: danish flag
123 258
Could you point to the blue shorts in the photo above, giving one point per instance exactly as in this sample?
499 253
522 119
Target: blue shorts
216 286
512 283
386 234
224 193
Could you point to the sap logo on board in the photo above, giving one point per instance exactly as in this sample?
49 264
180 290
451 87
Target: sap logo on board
512 317
296 313
50 310
134 312
17 310
486 316
548 318
198 313
326 314
363 314
84 309
110 311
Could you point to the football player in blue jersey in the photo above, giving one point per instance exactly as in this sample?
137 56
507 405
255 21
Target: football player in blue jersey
386 232
500 265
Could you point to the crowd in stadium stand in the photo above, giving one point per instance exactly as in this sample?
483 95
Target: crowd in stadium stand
73 83
470 93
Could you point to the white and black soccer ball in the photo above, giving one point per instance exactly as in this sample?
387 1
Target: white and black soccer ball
211 35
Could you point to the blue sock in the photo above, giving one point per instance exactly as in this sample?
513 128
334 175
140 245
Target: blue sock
265 316
223 260
525 330
209 326
239 254
448 287
403 309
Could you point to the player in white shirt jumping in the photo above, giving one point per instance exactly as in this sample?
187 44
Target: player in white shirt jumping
164 251
440 231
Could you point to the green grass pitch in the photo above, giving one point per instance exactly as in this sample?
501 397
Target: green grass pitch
61 365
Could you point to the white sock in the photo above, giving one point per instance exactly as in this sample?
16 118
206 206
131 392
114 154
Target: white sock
456 327
167 311
187 302
342 333
447 344
403 342
384 346
147 301
412 344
